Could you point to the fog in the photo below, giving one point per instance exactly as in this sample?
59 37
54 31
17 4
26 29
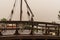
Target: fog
43 10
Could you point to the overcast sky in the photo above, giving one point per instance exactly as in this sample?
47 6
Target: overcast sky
44 10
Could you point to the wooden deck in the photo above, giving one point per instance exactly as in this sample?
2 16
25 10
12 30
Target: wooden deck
45 37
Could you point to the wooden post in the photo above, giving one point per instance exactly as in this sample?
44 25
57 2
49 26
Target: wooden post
16 32
32 26
58 31
46 30
21 11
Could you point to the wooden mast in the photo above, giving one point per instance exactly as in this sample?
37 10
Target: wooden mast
21 11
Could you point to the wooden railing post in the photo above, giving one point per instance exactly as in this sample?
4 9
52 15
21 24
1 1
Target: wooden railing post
58 30
32 30
46 29
0 34
16 32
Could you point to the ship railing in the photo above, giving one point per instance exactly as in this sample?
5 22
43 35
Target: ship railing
45 27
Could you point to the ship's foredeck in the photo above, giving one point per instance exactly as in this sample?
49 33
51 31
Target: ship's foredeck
49 30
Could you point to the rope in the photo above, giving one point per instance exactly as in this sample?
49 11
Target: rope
29 8
12 11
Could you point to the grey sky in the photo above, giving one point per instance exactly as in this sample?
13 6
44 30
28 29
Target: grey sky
44 10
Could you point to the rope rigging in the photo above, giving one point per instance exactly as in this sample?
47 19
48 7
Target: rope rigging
12 11
28 11
29 8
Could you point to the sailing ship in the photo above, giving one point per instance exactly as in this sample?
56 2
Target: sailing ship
33 29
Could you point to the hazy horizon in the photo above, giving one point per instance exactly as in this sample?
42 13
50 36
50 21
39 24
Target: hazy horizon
44 10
